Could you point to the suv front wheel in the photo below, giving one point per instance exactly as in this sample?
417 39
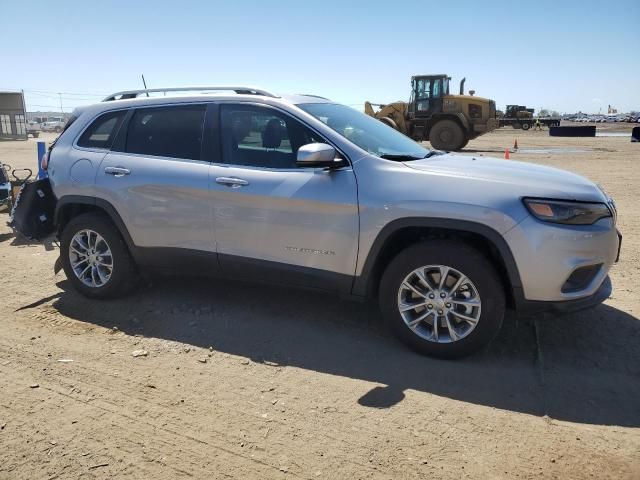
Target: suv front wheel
442 298
95 258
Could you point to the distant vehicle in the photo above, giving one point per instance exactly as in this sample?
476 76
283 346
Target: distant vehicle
54 124
519 116
33 129
447 121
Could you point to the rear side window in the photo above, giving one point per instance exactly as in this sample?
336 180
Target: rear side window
167 131
102 131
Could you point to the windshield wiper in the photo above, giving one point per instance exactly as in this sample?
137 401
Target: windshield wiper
433 153
401 157
405 157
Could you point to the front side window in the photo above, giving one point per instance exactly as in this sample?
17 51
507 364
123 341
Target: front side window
366 132
423 89
102 131
262 137
174 131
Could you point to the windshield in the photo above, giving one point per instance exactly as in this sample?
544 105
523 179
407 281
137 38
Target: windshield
366 132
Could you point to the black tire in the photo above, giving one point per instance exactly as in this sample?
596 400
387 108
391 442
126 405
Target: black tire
124 275
57 129
447 135
526 126
36 134
466 260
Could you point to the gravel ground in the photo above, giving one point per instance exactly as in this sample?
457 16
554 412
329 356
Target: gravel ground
192 378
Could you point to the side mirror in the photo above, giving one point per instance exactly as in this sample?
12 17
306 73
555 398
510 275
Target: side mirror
318 155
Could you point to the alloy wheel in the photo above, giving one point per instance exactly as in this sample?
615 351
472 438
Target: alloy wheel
439 303
90 258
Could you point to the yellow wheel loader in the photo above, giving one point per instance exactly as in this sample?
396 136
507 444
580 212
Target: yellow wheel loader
447 121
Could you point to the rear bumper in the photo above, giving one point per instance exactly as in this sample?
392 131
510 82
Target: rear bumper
531 307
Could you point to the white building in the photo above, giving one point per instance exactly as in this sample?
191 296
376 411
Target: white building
12 116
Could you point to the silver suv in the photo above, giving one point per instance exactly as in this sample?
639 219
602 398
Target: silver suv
301 191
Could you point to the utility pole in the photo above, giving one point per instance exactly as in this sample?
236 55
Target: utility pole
61 111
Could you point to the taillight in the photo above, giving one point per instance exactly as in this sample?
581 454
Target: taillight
44 163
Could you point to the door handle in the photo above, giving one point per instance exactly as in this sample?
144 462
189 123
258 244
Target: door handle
117 171
232 182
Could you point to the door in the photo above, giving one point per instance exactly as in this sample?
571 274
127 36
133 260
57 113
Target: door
274 221
155 178
428 94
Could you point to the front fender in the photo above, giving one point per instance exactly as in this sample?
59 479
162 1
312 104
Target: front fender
363 282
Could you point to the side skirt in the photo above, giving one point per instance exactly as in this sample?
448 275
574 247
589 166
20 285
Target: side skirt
210 264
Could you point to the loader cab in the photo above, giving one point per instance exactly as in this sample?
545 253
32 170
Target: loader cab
426 94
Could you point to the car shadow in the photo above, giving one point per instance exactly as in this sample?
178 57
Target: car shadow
584 370
49 243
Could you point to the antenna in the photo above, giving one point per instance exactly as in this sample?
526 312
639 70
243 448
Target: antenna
144 82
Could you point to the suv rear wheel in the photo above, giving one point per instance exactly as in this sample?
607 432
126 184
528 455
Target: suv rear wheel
95 258
442 298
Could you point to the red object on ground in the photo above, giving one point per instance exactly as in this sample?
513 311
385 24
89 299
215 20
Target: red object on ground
506 154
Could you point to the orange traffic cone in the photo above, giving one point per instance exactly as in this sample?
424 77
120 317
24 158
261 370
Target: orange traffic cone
515 145
506 154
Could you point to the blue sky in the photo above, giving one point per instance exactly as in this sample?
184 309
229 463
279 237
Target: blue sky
563 55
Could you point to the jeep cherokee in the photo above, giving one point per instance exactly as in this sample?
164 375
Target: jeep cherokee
301 191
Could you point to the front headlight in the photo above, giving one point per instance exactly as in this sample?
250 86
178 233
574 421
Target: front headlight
567 212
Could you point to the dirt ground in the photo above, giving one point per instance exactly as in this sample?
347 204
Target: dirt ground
252 382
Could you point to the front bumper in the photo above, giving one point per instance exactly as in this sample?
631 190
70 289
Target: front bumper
529 307
547 255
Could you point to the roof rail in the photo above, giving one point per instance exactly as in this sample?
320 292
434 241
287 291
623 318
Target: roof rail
314 96
127 94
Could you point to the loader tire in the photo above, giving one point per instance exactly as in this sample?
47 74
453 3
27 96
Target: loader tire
447 135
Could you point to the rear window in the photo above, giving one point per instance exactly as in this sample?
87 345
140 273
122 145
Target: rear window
167 131
102 131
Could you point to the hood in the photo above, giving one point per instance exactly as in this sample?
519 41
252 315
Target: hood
527 178
467 97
